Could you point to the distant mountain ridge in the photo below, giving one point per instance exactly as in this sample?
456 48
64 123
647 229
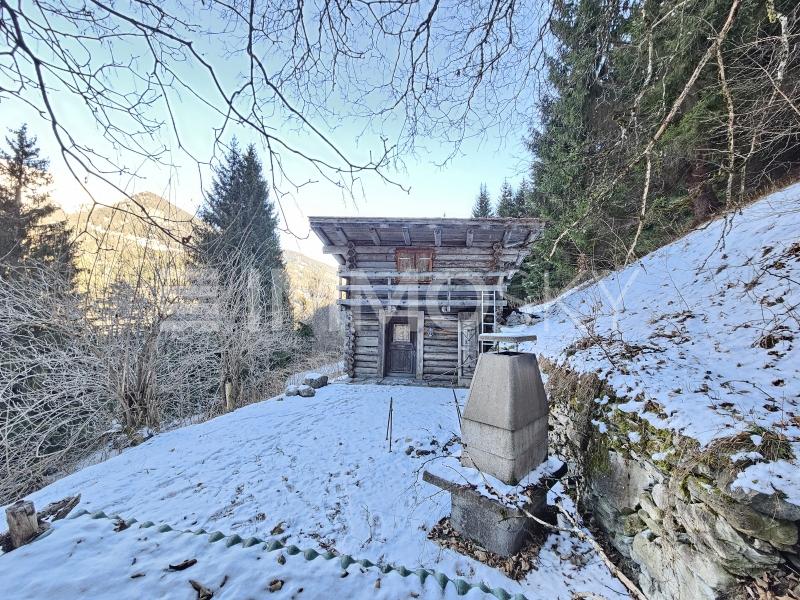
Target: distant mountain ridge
114 239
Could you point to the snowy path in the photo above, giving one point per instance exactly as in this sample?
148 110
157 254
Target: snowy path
313 472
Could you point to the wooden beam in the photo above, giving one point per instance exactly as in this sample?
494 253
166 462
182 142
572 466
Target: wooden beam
532 237
470 237
420 315
342 236
385 303
407 236
321 235
455 251
421 288
437 275
373 233
437 236
527 240
382 323
507 237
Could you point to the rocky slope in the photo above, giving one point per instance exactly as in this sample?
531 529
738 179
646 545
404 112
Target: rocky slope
675 389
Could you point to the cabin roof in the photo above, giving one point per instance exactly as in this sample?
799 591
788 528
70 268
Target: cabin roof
481 222
373 231
345 235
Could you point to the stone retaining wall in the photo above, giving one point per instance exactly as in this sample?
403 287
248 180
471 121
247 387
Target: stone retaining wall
666 504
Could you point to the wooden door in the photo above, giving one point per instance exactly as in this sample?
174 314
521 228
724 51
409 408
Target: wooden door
401 348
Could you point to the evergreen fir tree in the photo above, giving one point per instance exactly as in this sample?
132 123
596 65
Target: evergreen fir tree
611 76
483 204
505 204
29 237
569 149
518 203
239 223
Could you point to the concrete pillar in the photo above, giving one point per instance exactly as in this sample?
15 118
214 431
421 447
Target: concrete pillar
504 426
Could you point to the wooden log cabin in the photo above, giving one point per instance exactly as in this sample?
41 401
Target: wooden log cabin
416 293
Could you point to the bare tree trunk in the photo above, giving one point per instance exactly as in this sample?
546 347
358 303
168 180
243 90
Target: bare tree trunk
704 199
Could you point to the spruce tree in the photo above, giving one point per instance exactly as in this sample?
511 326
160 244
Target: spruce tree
29 236
239 224
518 203
505 204
612 77
483 204
569 147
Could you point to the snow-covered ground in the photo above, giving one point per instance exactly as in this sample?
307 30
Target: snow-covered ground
707 327
316 473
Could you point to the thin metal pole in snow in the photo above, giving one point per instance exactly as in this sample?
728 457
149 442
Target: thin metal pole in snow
389 423
458 409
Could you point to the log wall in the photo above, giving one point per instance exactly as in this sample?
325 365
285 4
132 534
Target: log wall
440 346
471 260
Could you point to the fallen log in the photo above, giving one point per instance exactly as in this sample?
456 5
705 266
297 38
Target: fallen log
59 510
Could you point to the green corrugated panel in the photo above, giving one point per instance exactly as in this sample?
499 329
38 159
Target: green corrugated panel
462 587
441 579
345 560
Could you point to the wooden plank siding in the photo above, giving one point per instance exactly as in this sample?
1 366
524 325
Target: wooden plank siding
441 349
469 257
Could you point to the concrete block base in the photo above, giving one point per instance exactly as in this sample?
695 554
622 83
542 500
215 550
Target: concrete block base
497 528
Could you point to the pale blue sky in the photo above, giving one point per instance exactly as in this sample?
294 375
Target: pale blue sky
435 190
494 155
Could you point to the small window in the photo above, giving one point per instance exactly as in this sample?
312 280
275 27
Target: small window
401 333
406 263
424 263
414 260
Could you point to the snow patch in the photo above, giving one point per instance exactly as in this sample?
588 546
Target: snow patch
316 475
704 329
450 468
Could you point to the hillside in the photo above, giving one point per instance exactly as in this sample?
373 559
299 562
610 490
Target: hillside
674 389
117 239
136 221
313 284
121 240
699 336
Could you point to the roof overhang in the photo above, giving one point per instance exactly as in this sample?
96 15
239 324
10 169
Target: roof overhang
354 232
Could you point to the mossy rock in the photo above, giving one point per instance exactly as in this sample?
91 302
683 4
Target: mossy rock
743 518
632 524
